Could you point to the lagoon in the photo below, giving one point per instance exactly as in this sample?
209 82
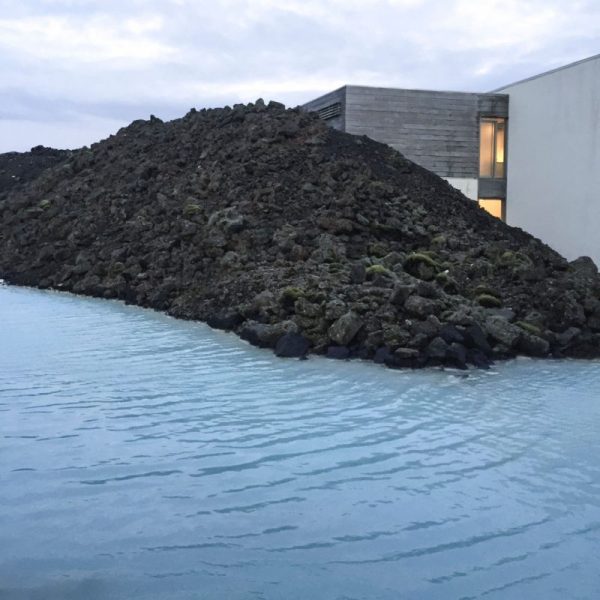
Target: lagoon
145 457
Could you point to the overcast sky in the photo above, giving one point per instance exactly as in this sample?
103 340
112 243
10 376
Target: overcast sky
74 71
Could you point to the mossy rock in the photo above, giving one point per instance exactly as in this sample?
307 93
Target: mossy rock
488 301
529 327
439 241
335 267
375 270
487 290
189 210
421 265
378 249
289 295
447 282
517 261
115 268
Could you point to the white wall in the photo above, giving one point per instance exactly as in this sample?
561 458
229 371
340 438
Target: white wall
467 186
553 157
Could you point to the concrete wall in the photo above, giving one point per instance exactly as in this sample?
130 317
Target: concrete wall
468 186
438 130
337 96
554 158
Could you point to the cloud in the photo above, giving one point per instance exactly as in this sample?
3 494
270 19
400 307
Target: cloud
86 61
100 38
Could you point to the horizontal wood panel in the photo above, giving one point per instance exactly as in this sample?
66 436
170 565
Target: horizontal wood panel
438 130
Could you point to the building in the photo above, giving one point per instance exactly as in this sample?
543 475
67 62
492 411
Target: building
529 152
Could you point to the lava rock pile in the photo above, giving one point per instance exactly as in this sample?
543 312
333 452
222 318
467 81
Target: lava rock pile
300 238
20 167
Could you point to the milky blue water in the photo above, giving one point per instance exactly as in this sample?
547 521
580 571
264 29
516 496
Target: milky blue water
144 457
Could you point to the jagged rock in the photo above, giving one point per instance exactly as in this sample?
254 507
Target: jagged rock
502 331
476 338
567 338
403 358
584 266
420 307
400 294
338 352
478 358
533 345
437 348
334 309
345 328
17 168
227 320
292 345
382 355
457 355
255 216
450 333
358 273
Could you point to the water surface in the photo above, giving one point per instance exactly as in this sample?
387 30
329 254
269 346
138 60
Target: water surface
144 457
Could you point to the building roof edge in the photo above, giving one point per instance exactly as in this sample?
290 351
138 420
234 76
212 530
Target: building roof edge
340 89
561 68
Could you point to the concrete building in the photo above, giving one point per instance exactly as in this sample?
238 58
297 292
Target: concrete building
528 152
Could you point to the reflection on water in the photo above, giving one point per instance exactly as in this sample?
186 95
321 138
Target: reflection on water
143 457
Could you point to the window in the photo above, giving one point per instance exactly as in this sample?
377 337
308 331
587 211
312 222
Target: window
492 144
495 206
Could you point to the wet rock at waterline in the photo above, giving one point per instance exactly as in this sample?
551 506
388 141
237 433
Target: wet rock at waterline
299 238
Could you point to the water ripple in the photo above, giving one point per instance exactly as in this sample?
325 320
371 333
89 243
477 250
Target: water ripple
161 459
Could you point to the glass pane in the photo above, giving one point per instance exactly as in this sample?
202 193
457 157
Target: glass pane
494 206
486 149
500 145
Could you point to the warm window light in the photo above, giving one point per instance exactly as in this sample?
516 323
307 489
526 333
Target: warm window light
492 143
500 142
486 149
495 206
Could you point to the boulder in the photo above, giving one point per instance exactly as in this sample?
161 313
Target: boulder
338 352
533 345
292 345
265 335
437 349
343 330
502 331
418 306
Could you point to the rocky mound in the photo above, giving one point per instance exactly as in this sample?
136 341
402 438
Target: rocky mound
264 221
21 167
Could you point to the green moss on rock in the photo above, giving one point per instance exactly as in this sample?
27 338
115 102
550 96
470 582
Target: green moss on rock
529 327
515 260
189 210
447 282
489 301
289 295
421 265
374 270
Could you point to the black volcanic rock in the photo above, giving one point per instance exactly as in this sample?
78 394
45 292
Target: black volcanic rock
265 221
22 167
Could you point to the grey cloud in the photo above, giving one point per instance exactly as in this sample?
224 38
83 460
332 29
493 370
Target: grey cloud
230 51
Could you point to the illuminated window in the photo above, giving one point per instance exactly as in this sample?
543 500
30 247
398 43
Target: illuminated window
495 206
492 143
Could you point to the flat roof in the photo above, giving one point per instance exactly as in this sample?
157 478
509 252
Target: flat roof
399 89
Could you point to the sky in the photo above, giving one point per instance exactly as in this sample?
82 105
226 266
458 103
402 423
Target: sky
74 71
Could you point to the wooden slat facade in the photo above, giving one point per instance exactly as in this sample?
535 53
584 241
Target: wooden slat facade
438 130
